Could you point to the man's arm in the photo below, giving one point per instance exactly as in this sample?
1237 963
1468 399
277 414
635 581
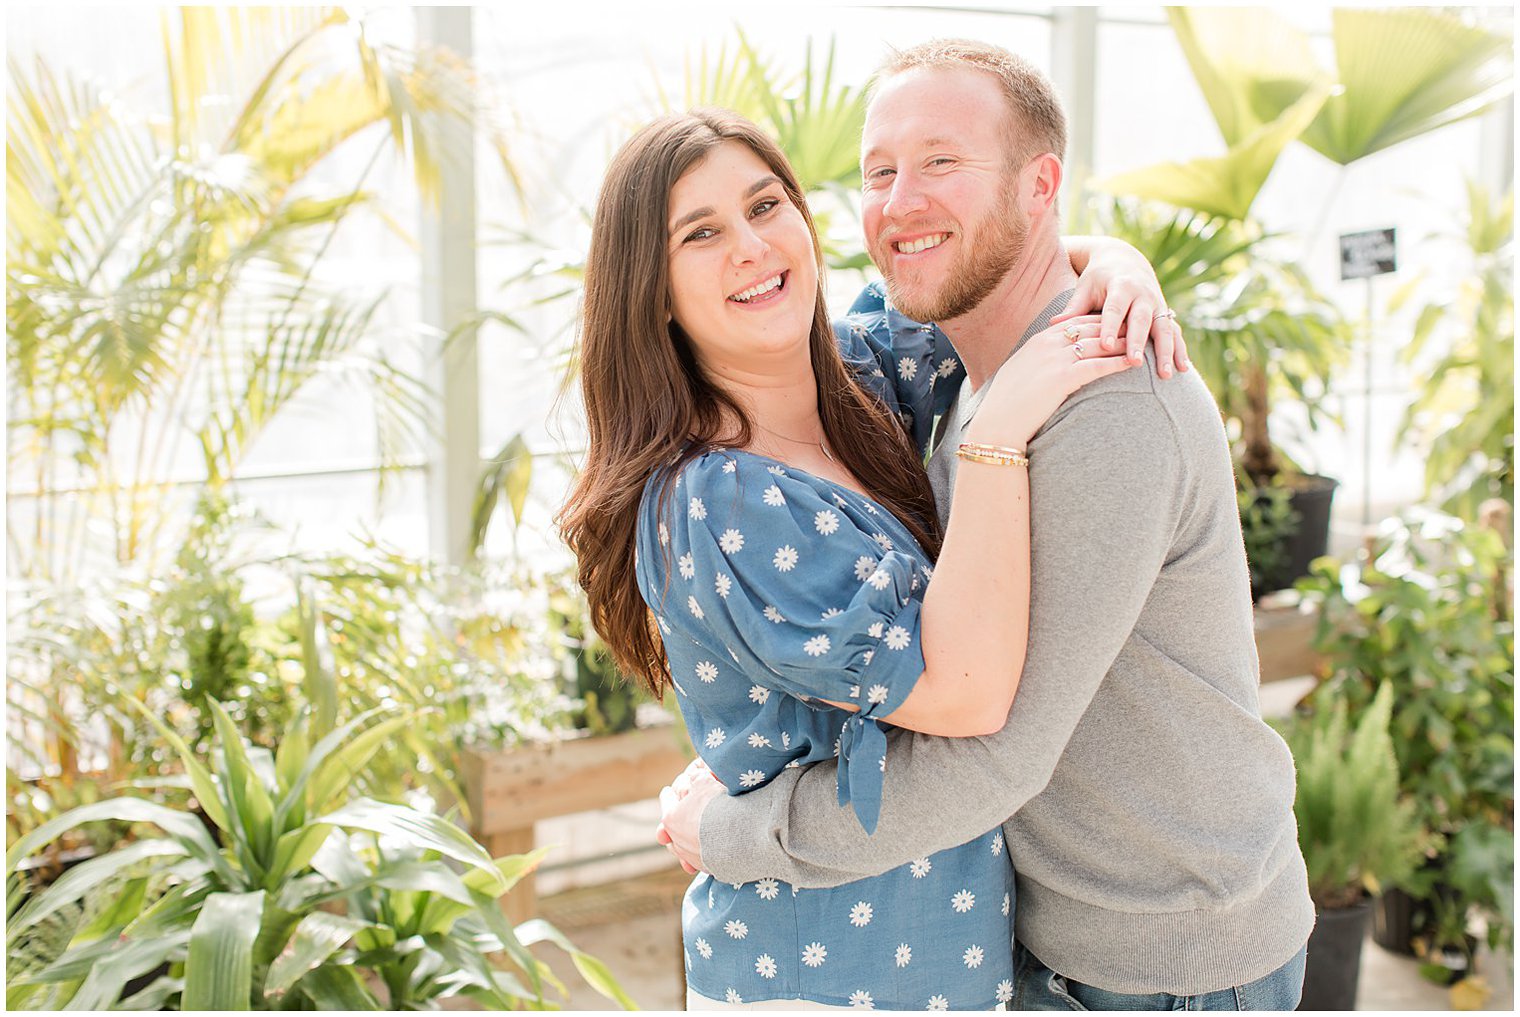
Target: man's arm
1106 477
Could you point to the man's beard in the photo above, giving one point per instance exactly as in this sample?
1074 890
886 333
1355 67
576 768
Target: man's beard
986 256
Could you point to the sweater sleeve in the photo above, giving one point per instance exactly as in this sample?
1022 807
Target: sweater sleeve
1108 478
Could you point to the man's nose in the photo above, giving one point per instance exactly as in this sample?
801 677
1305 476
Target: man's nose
905 198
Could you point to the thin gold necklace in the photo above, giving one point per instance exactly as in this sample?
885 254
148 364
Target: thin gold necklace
798 441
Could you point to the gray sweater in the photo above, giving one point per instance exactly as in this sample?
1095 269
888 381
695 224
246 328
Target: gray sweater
1148 808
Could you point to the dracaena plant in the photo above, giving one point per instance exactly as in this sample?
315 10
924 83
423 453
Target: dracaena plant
297 895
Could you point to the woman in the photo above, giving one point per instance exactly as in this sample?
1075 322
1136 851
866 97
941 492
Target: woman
754 527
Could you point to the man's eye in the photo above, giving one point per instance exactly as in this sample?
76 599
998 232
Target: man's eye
941 161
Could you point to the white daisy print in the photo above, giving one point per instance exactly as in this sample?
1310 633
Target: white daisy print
825 522
773 615
854 691
765 966
752 778
877 694
759 741
904 955
814 954
865 658
709 898
664 534
759 694
883 541
704 948
947 367
696 609
733 997
696 509
736 929
767 889
938 1003
832 612
730 466
1005 991
817 646
714 738
880 579
997 844
722 584
907 369
862 999
963 901
865 565
688 565
919 867
897 637
972 956
928 573
732 541
773 497
1007 905
860 915
707 671
785 558
775 471
874 631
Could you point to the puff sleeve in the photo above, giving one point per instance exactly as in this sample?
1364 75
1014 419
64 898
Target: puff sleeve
770 577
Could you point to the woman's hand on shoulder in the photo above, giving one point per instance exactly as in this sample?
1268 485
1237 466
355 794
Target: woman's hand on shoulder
1117 282
1050 366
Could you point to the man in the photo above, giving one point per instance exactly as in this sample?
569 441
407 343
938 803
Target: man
1147 808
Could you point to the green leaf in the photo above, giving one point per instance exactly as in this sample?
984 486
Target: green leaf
412 828
326 746
318 936
318 680
219 967
182 826
337 773
294 850
337 987
82 878
1405 72
200 778
594 971
1227 185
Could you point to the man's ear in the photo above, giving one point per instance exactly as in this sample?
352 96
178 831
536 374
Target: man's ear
1041 183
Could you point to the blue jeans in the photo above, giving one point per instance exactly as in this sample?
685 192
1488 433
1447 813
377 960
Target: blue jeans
1039 988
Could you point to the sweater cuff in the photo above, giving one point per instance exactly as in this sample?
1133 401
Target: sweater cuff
739 842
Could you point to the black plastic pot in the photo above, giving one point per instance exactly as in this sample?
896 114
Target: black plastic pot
1334 962
1393 922
1310 498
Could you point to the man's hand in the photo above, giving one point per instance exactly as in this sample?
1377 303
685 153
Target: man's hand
681 806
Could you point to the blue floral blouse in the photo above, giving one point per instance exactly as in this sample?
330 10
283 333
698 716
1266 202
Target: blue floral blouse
774 590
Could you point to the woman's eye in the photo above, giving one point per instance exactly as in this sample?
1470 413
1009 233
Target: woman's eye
765 205
702 234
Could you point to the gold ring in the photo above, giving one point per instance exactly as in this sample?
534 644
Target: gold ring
1072 333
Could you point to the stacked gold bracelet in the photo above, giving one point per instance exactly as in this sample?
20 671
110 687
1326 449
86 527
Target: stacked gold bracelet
996 455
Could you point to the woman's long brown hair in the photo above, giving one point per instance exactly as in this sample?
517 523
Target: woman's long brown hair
649 406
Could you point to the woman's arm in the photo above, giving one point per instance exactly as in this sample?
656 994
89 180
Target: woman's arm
1115 278
975 621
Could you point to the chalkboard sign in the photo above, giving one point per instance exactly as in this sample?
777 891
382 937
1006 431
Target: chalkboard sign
1367 254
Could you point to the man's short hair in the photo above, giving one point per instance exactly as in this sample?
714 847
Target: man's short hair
1037 123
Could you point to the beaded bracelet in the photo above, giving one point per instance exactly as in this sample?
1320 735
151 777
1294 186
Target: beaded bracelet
996 455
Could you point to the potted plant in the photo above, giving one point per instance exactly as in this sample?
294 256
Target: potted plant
300 896
1356 833
1428 616
1260 330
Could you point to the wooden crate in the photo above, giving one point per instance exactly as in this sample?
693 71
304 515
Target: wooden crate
509 791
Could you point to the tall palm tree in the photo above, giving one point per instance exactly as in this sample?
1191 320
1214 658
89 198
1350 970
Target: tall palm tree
165 282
